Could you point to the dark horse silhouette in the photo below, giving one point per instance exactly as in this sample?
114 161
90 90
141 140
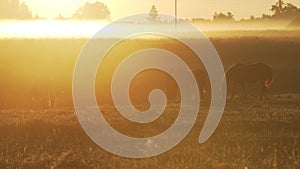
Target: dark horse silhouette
250 73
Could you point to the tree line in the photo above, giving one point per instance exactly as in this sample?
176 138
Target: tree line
281 11
13 9
90 11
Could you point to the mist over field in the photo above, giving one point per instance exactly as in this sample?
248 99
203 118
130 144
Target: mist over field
38 29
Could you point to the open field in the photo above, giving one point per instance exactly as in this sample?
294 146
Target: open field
252 133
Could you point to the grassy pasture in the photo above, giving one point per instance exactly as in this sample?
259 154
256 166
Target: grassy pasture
252 133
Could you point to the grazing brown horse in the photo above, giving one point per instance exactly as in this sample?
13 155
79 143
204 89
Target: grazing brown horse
250 73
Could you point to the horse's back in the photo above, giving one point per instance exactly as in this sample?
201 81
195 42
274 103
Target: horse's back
261 67
261 70
249 72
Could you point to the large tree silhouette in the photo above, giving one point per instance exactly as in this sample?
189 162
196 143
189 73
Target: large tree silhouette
282 10
92 11
12 9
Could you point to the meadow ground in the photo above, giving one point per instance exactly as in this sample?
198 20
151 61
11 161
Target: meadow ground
252 133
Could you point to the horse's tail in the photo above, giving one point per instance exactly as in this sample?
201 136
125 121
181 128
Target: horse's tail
269 78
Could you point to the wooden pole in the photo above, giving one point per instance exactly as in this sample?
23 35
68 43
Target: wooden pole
175 14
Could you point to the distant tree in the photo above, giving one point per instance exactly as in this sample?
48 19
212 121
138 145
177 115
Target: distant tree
290 9
277 7
282 10
12 9
92 11
153 14
221 17
60 17
24 12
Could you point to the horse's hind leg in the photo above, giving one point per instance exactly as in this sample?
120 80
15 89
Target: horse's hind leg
263 93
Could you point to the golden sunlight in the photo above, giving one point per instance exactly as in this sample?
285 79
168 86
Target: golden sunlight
49 29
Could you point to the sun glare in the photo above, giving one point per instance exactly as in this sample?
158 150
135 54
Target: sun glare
49 29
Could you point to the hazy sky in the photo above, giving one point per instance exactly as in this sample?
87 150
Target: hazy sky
186 8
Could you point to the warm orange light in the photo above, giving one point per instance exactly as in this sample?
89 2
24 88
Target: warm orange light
49 29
